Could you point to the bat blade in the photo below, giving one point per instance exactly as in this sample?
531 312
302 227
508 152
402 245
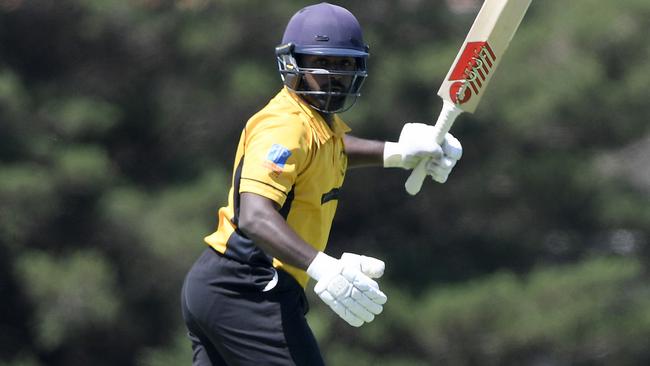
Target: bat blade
481 52
473 68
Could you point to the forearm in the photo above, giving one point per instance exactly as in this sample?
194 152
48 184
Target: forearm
268 229
363 152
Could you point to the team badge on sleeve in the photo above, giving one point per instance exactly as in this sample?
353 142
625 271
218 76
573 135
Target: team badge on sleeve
276 158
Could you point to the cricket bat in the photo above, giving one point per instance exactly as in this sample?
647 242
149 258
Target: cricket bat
472 70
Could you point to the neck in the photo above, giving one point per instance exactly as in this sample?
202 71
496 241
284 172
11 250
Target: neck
328 118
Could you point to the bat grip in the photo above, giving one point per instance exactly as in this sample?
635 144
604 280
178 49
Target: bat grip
445 120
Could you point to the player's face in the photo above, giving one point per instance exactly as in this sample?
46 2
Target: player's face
324 82
330 63
329 83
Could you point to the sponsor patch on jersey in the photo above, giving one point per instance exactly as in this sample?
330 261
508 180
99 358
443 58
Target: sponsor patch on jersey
277 158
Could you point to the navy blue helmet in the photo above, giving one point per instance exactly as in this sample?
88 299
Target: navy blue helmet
329 31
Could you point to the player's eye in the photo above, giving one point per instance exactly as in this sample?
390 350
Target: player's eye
348 64
322 63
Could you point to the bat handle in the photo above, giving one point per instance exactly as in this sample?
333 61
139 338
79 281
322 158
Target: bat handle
445 120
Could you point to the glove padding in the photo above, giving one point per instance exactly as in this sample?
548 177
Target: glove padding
371 267
351 294
417 142
452 150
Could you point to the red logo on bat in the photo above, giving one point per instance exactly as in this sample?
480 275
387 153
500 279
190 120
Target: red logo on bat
473 67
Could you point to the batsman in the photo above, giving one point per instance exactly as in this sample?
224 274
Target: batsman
243 300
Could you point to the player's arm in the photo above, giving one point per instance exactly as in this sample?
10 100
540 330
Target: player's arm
416 142
260 220
363 152
344 284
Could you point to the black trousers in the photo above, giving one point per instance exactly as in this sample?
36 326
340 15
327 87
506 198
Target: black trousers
234 319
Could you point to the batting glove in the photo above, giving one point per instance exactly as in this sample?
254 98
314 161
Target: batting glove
452 150
371 267
350 293
415 143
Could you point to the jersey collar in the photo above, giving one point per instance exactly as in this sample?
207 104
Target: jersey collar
316 121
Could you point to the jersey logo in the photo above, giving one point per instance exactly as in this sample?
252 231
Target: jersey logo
278 155
276 158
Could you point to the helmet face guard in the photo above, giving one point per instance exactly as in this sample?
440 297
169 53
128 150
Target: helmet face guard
337 90
329 31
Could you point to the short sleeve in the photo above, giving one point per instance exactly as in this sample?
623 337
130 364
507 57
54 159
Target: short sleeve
275 151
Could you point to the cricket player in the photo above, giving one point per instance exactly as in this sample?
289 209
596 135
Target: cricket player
243 300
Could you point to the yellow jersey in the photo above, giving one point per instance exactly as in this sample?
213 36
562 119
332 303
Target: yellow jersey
289 154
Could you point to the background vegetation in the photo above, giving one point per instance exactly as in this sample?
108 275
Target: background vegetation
118 123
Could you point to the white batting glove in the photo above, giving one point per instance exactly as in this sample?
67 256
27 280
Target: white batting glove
415 143
371 267
352 295
452 150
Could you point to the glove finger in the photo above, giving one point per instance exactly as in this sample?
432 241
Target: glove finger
444 162
448 163
376 296
411 161
372 267
327 298
440 179
341 309
365 284
365 301
441 172
451 147
438 171
320 286
358 279
339 286
439 175
441 168
344 313
357 309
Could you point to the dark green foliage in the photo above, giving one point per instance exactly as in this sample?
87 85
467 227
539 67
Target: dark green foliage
119 121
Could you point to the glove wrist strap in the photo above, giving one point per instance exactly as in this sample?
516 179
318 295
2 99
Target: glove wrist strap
392 155
321 265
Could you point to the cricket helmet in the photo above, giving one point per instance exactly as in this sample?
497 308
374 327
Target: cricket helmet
323 30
